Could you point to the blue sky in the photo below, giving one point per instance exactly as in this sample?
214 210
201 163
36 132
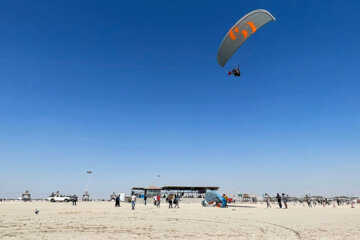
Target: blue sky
132 89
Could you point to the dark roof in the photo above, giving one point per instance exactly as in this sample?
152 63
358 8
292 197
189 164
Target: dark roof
181 188
148 188
189 188
345 197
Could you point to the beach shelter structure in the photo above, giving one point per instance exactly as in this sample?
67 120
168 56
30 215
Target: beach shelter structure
183 191
149 191
189 191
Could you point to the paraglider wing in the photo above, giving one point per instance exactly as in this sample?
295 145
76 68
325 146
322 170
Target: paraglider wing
214 197
240 32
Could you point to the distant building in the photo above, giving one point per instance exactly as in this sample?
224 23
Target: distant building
26 196
188 191
183 191
86 196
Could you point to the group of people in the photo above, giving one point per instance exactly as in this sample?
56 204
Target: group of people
173 200
280 199
157 200
319 201
133 201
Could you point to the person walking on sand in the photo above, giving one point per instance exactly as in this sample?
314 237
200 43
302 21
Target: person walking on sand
155 199
145 198
176 201
278 197
133 201
267 199
158 200
284 199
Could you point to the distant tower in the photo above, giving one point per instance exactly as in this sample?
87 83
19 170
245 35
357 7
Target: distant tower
113 196
86 196
26 196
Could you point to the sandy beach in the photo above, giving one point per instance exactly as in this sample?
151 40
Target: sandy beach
101 220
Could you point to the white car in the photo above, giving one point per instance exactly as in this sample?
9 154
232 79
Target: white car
59 198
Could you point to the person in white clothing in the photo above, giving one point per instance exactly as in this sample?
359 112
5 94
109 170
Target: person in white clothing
133 201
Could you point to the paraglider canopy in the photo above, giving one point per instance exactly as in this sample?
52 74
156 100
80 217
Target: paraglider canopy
215 198
240 32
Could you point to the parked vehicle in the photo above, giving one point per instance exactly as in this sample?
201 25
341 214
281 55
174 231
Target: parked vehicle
60 198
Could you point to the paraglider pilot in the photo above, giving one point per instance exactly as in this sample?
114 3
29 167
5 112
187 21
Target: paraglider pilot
235 72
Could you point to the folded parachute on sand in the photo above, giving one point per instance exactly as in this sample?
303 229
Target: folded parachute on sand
215 199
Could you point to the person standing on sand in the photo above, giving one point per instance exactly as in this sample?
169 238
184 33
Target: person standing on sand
267 199
308 200
284 199
117 201
170 199
133 201
145 198
155 199
338 201
75 199
278 197
158 200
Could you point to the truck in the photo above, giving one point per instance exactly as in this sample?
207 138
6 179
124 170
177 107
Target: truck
60 198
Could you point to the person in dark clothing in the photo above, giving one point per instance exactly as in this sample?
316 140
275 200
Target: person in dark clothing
338 201
278 197
308 201
75 199
235 72
117 201
176 201
145 198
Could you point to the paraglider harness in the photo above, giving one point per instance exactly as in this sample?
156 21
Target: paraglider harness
235 72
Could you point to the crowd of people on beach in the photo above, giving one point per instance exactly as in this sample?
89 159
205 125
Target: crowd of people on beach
171 199
280 199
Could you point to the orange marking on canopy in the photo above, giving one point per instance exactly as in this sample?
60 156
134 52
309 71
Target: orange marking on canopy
245 33
232 36
236 29
252 25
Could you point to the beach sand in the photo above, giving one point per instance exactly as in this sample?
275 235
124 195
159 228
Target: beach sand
101 220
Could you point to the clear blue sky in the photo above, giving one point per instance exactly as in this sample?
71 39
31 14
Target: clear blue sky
132 89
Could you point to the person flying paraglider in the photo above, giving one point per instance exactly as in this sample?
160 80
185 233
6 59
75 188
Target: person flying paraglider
235 72
240 33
